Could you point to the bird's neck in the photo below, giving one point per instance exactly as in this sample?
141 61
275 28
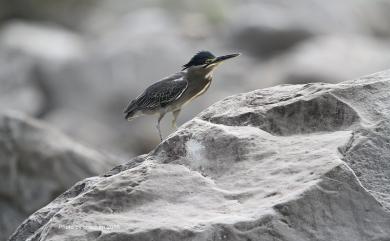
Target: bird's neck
199 74
198 83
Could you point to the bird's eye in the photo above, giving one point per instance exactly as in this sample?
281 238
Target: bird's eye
208 61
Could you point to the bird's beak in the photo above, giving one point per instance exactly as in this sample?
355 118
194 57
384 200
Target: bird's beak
222 58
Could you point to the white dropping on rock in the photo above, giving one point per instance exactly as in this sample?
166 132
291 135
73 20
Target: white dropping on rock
196 154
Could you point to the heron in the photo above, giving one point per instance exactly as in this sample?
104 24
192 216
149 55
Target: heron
171 93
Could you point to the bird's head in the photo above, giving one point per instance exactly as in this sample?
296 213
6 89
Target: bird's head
206 61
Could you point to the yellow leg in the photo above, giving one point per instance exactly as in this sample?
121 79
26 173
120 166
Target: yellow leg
175 115
158 124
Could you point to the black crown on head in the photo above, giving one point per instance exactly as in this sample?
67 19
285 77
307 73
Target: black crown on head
199 59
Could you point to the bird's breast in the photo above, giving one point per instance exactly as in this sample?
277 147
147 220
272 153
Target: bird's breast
195 89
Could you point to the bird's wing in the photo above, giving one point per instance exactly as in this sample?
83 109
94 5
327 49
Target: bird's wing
160 93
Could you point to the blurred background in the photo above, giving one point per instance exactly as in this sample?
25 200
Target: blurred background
75 64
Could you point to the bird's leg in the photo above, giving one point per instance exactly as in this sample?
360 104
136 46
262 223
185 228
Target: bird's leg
158 124
175 115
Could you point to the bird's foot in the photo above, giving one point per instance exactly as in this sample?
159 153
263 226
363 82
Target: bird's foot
159 132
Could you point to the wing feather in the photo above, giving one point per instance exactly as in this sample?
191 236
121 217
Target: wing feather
159 94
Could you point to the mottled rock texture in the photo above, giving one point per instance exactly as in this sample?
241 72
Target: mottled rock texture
37 164
293 162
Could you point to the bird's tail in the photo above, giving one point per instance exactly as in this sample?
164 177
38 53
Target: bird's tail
130 111
131 115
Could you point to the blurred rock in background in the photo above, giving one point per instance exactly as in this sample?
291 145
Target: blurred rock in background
270 27
18 90
37 163
329 58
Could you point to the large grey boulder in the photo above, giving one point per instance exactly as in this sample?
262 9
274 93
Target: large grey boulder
37 163
293 162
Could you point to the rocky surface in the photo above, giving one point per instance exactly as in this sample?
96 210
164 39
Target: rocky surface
293 162
37 164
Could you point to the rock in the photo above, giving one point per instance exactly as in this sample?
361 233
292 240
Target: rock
329 59
46 41
37 164
56 67
21 62
4 11
19 90
292 162
268 28
66 13
254 31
